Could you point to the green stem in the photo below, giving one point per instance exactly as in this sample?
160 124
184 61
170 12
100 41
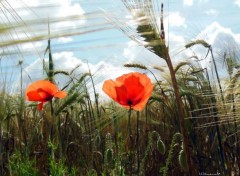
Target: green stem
52 126
115 133
50 144
216 119
180 110
60 137
1 159
164 53
95 94
130 138
129 122
7 160
137 143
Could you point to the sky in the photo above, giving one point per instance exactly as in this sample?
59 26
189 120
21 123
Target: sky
86 35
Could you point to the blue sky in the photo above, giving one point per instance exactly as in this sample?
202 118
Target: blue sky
203 12
100 43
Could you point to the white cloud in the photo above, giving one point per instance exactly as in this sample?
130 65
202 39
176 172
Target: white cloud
222 40
175 43
238 38
30 46
175 19
188 2
216 34
211 12
130 51
64 61
202 1
29 20
64 39
56 8
137 54
237 2
67 9
176 39
19 11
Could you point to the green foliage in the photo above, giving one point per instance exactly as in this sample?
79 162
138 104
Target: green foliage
175 141
85 145
57 168
22 166
91 172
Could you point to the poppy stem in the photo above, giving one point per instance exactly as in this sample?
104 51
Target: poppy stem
137 143
52 123
51 150
130 140
129 122
58 131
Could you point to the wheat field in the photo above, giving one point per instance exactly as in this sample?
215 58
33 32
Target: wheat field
76 122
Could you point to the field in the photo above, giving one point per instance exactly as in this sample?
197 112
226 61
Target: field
187 123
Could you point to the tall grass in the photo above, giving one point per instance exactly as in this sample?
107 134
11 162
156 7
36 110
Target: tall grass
81 135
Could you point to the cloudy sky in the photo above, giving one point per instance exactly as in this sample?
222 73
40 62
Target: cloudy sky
85 34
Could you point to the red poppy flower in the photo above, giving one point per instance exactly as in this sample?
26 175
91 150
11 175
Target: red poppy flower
43 91
130 90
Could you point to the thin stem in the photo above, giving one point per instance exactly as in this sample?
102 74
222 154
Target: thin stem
180 109
115 133
95 94
1 159
8 171
164 52
51 147
129 122
60 137
213 99
219 136
130 138
52 125
137 143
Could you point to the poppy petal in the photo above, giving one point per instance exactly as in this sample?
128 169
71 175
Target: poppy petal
120 80
109 89
141 105
145 98
144 79
45 85
130 90
40 106
48 87
135 89
33 96
122 96
60 94
45 95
